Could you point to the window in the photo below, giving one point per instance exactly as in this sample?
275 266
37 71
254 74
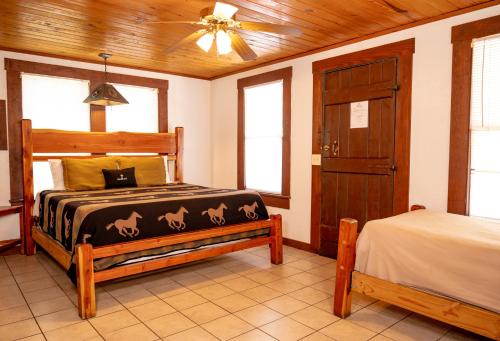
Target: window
53 103
264 135
53 98
473 163
485 128
140 115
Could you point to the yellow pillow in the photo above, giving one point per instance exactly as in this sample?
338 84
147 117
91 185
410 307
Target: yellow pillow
149 170
86 174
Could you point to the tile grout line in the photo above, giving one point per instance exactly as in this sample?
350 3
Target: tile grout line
215 282
25 301
67 296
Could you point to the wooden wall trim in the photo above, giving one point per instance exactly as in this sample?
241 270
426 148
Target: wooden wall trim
86 60
285 74
459 164
14 68
395 49
403 51
297 244
475 29
78 73
3 125
97 117
163 109
14 116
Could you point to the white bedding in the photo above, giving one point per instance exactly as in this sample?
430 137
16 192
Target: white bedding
449 254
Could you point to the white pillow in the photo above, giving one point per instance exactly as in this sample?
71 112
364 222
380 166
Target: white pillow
167 175
56 168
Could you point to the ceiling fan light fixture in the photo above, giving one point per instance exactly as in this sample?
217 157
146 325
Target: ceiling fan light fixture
223 42
224 11
205 41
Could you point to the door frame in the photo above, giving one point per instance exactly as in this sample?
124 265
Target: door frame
403 52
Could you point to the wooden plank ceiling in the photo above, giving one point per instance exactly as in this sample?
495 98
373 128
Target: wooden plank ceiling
80 29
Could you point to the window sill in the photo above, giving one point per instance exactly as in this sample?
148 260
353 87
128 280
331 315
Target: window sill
276 200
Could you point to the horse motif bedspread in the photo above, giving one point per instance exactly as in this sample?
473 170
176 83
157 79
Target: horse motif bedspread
103 217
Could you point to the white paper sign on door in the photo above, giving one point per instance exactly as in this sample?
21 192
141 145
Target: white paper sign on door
359 114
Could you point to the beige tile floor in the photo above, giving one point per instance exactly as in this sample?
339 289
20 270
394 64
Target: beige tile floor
239 296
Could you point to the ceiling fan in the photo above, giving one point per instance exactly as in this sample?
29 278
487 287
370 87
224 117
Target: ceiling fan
219 24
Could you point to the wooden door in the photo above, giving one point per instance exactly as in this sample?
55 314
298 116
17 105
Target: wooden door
357 165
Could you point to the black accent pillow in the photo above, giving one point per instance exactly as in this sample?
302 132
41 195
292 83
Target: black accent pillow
119 178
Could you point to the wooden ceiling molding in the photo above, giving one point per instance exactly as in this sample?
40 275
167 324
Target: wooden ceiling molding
81 29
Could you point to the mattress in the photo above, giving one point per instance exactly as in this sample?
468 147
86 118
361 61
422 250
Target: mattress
104 217
447 254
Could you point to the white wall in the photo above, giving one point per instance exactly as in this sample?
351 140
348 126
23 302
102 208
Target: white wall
188 106
430 120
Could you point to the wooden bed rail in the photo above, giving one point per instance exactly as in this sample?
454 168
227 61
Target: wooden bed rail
149 243
85 255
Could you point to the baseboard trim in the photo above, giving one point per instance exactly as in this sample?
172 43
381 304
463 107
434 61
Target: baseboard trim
297 244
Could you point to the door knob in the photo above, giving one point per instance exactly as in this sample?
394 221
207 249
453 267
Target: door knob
325 148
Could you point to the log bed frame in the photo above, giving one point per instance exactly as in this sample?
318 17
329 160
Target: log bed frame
99 143
454 312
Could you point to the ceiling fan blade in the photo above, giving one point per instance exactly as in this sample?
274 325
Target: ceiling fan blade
241 47
186 40
174 22
270 28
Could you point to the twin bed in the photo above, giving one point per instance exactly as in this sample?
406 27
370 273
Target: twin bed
441 265
103 234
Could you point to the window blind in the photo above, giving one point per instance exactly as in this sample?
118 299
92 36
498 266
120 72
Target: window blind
484 191
54 103
485 91
140 115
264 136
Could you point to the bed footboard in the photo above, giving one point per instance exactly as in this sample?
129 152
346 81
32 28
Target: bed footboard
451 311
345 266
85 255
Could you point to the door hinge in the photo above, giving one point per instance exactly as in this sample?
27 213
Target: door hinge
395 87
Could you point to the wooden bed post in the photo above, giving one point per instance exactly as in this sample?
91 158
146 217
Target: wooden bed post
276 244
28 200
179 161
345 266
85 281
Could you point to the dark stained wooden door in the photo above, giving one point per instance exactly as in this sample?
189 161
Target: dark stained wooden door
357 165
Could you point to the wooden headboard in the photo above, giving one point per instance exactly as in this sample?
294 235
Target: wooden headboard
50 142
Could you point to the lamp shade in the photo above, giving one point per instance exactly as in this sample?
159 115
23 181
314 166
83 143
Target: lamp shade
224 11
105 94
205 42
223 42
